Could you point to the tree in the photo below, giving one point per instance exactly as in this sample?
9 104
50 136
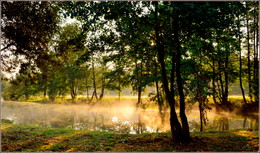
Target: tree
24 34
240 59
252 27
69 50
25 37
182 48
22 87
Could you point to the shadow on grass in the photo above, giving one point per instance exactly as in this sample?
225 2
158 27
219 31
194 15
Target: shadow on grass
39 139
28 138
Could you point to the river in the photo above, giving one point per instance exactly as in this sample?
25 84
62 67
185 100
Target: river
123 118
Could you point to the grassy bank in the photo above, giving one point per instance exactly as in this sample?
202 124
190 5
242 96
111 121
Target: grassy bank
235 100
28 138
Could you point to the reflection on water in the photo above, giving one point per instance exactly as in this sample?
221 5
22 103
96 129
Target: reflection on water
121 119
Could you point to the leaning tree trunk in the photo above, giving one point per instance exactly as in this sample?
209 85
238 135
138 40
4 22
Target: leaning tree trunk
102 85
158 93
240 77
184 121
102 89
94 81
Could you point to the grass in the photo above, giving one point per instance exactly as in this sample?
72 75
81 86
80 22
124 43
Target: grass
237 100
28 138
81 99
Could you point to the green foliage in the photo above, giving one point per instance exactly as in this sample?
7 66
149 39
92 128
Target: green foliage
184 49
23 87
6 121
26 31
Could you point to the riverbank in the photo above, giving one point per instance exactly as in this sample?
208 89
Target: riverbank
27 138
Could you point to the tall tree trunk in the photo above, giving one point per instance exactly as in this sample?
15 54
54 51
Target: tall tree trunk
244 123
159 101
224 84
102 84
73 90
139 99
139 84
201 98
240 65
45 85
158 93
240 77
213 84
174 122
256 61
221 82
119 88
102 89
102 93
225 98
201 116
222 91
185 125
87 92
248 58
255 57
73 95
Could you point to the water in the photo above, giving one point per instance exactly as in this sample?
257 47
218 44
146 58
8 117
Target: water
120 118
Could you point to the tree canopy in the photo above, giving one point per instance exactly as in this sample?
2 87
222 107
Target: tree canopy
188 51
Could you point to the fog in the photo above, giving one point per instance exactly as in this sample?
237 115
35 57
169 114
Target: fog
121 117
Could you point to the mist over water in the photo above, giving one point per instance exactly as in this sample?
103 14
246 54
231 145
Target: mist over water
121 117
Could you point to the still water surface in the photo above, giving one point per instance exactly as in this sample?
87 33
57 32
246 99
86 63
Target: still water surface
122 118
